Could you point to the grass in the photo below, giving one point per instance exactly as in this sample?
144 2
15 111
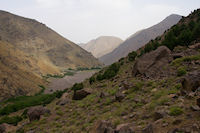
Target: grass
175 111
179 61
11 120
22 102
181 71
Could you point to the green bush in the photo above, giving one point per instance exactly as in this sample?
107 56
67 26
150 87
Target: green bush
132 56
22 102
77 86
110 72
175 111
92 80
11 120
181 71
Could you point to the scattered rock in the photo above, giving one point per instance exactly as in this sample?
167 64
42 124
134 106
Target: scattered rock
2 128
119 96
176 122
148 129
195 46
125 128
195 108
103 95
34 113
198 102
191 82
62 102
80 94
159 114
103 127
173 96
152 64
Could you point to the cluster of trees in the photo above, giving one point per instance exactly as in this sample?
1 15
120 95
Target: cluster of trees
110 72
181 34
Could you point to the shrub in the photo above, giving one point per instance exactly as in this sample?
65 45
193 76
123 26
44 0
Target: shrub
22 102
92 80
181 71
10 120
132 55
175 111
77 86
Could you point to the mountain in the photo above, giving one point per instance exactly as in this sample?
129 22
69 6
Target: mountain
102 45
30 49
139 39
152 90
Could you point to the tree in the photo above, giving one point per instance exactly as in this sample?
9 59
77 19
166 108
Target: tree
132 55
77 86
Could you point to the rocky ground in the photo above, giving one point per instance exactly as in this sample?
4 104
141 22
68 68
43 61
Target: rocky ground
155 94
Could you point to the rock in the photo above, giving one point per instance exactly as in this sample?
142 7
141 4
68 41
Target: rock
119 96
148 129
159 114
195 46
195 108
34 113
151 65
124 128
176 122
191 82
173 96
103 127
80 94
126 85
7 128
2 128
198 102
103 95
62 102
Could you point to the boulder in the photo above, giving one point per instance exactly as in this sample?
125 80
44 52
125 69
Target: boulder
103 95
159 114
153 64
191 82
80 94
65 99
2 128
6 128
34 113
119 96
103 127
124 128
148 129
195 46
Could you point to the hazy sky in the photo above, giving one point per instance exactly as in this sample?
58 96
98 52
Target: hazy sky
83 20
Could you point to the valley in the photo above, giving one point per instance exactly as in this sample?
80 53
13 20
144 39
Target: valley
148 83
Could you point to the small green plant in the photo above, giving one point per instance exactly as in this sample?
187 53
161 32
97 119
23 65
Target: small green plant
132 55
92 80
10 120
181 71
77 86
175 111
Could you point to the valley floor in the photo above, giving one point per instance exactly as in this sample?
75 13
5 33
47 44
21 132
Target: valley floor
68 81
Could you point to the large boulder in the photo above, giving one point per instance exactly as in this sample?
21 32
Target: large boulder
148 129
124 128
153 64
34 113
191 82
80 94
103 127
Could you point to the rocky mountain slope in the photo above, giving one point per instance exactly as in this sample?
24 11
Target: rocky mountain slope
152 90
102 45
29 50
139 39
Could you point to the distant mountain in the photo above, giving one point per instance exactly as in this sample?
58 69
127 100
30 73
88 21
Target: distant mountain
139 39
33 49
102 45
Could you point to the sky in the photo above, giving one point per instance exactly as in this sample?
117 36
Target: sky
83 20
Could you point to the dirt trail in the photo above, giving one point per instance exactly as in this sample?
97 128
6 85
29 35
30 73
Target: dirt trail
67 81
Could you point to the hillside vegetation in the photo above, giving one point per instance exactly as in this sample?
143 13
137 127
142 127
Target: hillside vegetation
152 90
